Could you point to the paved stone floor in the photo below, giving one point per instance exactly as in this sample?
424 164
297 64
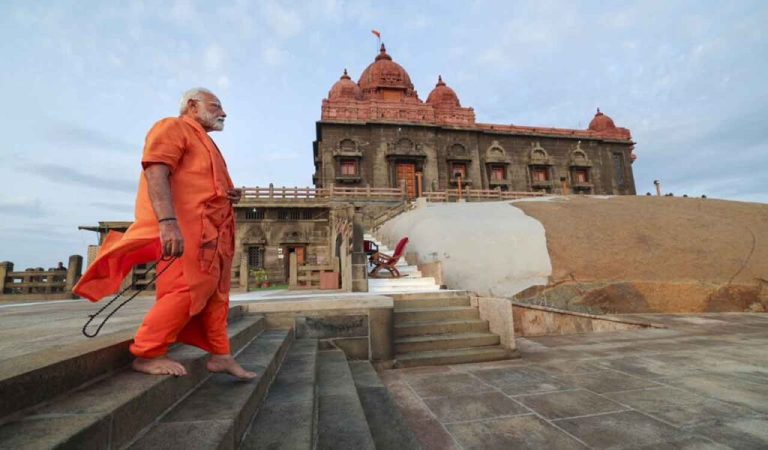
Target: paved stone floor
701 383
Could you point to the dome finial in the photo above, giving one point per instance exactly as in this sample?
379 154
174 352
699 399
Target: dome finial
598 111
344 76
383 54
440 81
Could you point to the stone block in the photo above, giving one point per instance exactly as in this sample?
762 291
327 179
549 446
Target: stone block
557 405
474 406
522 432
331 326
617 430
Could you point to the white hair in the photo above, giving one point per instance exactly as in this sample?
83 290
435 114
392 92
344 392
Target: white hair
192 94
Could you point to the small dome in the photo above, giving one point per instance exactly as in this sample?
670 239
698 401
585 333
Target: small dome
385 73
344 89
601 122
442 95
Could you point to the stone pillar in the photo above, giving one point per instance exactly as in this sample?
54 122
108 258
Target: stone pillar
244 275
6 267
293 271
359 261
380 330
74 270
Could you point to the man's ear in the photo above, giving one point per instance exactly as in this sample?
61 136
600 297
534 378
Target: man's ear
192 105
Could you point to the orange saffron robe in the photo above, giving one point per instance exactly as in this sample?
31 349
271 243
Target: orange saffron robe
199 184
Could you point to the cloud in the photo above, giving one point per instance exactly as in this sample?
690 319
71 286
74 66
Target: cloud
283 22
280 156
68 175
31 208
184 12
74 135
274 56
223 82
125 208
213 58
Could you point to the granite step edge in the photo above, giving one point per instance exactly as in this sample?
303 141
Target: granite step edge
221 405
116 406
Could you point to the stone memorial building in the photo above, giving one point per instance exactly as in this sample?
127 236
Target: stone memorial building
379 133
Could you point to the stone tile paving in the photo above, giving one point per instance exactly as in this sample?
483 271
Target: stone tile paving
702 383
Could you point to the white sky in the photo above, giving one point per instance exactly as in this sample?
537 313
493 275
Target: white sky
83 82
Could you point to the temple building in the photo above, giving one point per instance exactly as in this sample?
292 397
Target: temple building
378 133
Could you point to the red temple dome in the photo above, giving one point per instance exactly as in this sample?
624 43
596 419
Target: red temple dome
601 122
442 95
344 89
385 76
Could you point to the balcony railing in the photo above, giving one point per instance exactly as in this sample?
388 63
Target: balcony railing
260 194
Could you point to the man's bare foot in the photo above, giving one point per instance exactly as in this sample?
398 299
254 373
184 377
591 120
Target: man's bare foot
159 366
227 364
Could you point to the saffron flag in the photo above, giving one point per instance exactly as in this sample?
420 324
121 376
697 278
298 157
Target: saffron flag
378 35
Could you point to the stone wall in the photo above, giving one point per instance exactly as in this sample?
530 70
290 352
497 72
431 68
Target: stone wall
376 145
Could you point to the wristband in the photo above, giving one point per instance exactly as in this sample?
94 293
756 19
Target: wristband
166 219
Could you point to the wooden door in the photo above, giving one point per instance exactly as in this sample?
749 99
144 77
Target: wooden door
300 258
407 172
299 255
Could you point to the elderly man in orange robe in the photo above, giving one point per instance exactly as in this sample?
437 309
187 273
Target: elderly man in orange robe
183 210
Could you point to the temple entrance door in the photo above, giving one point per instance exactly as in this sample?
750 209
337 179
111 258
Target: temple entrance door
407 171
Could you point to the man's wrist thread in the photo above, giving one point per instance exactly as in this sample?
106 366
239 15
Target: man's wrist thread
166 219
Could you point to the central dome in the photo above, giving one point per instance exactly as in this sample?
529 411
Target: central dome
385 76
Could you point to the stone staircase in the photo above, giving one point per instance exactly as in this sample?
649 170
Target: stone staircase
411 279
303 398
442 328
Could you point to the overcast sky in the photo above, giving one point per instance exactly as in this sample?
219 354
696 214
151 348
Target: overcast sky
84 81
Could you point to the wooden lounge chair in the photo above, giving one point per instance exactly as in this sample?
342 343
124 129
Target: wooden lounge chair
382 261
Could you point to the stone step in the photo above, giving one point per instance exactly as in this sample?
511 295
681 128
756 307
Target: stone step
388 428
441 327
453 356
287 419
111 410
441 294
449 313
25 381
403 281
341 421
445 342
403 289
431 301
218 412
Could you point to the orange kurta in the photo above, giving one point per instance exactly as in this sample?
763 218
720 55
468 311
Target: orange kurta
199 184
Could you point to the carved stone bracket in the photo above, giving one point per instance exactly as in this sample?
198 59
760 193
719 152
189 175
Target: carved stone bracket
578 157
495 153
347 147
539 156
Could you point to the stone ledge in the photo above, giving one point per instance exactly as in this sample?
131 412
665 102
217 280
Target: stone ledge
320 304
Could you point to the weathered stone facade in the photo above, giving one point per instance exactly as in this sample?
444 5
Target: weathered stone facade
267 234
377 132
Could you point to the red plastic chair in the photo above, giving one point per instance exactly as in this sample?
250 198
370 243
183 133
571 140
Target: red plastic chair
382 261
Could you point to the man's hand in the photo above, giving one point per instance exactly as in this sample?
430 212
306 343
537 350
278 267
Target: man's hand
171 238
234 195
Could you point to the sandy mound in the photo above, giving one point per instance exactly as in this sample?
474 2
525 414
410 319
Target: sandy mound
637 254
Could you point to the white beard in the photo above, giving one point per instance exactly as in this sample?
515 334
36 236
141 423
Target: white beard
210 121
